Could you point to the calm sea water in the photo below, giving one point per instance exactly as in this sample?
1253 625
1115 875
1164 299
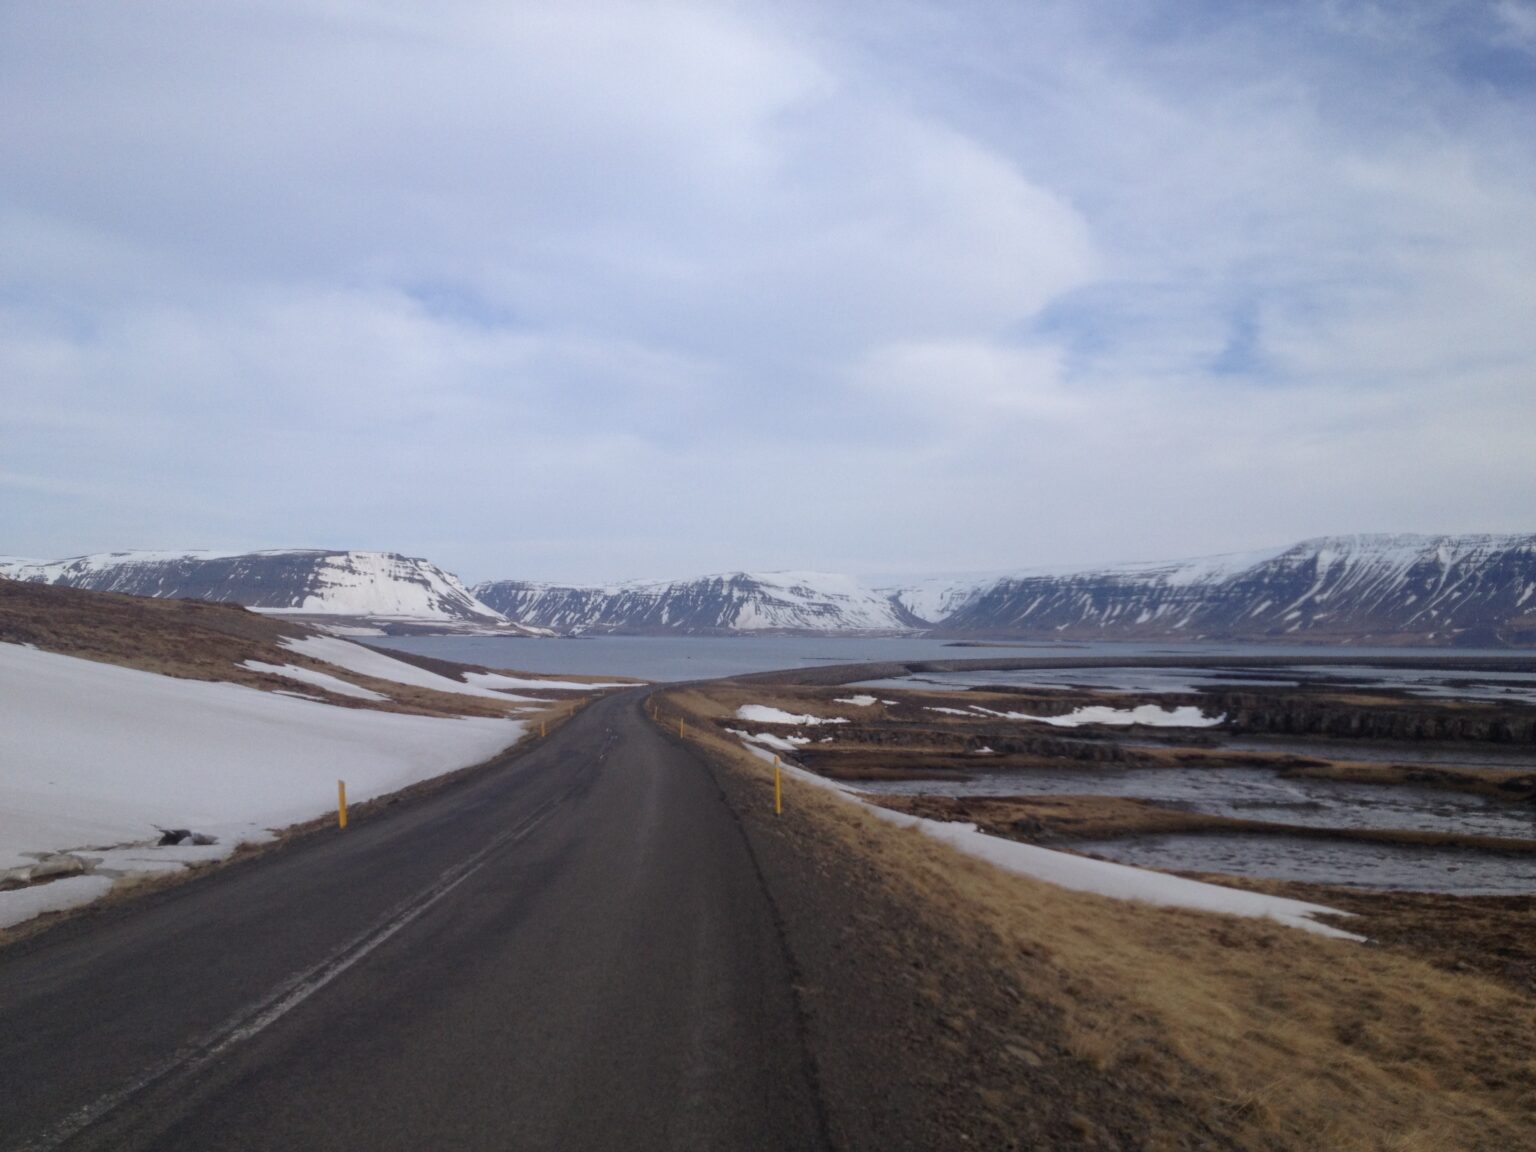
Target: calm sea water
708 657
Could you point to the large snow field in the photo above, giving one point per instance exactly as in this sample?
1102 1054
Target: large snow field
1081 874
95 755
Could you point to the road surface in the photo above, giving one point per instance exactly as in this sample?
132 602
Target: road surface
572 949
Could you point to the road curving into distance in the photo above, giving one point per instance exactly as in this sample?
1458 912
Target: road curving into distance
570 949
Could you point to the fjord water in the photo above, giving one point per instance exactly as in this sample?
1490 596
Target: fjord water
673 658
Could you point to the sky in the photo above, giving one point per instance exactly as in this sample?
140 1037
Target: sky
590 291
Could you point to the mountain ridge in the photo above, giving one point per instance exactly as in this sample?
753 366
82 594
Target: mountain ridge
378 591
1378 588
1387 588
1381 588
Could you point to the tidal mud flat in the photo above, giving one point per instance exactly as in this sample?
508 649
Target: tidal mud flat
1412 792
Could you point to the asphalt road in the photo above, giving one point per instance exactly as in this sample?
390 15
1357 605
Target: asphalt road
572 949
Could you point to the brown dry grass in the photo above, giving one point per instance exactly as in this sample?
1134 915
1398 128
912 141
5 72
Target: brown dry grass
1268 1036
1494 935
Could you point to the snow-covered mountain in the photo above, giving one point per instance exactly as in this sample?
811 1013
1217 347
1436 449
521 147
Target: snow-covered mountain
732 602
1393 589
385 589
1386 589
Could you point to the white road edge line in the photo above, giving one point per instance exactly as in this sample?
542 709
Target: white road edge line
290 994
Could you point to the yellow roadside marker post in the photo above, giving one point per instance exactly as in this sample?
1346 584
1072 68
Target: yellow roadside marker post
681 731
341 803
541 729
778 792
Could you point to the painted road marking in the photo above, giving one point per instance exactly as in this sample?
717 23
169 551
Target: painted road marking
291 993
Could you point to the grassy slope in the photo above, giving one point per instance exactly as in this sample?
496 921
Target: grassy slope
1014 1014
199 640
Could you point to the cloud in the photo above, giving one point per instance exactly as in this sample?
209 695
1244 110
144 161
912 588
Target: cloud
962 384
600 290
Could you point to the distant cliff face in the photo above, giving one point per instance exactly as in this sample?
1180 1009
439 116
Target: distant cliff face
709 605
1390 589
373 585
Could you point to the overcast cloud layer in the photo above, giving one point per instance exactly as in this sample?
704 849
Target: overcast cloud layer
582 291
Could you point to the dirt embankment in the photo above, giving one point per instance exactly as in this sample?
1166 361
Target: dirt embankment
1354 716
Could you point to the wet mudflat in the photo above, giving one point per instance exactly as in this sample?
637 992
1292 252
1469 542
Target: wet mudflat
1251 794
1509 686
1390 867
1390 778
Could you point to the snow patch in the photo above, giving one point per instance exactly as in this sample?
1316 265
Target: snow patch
769 740
317 679
498 680
1121 881
1187 716
763 714
368 662
22 904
